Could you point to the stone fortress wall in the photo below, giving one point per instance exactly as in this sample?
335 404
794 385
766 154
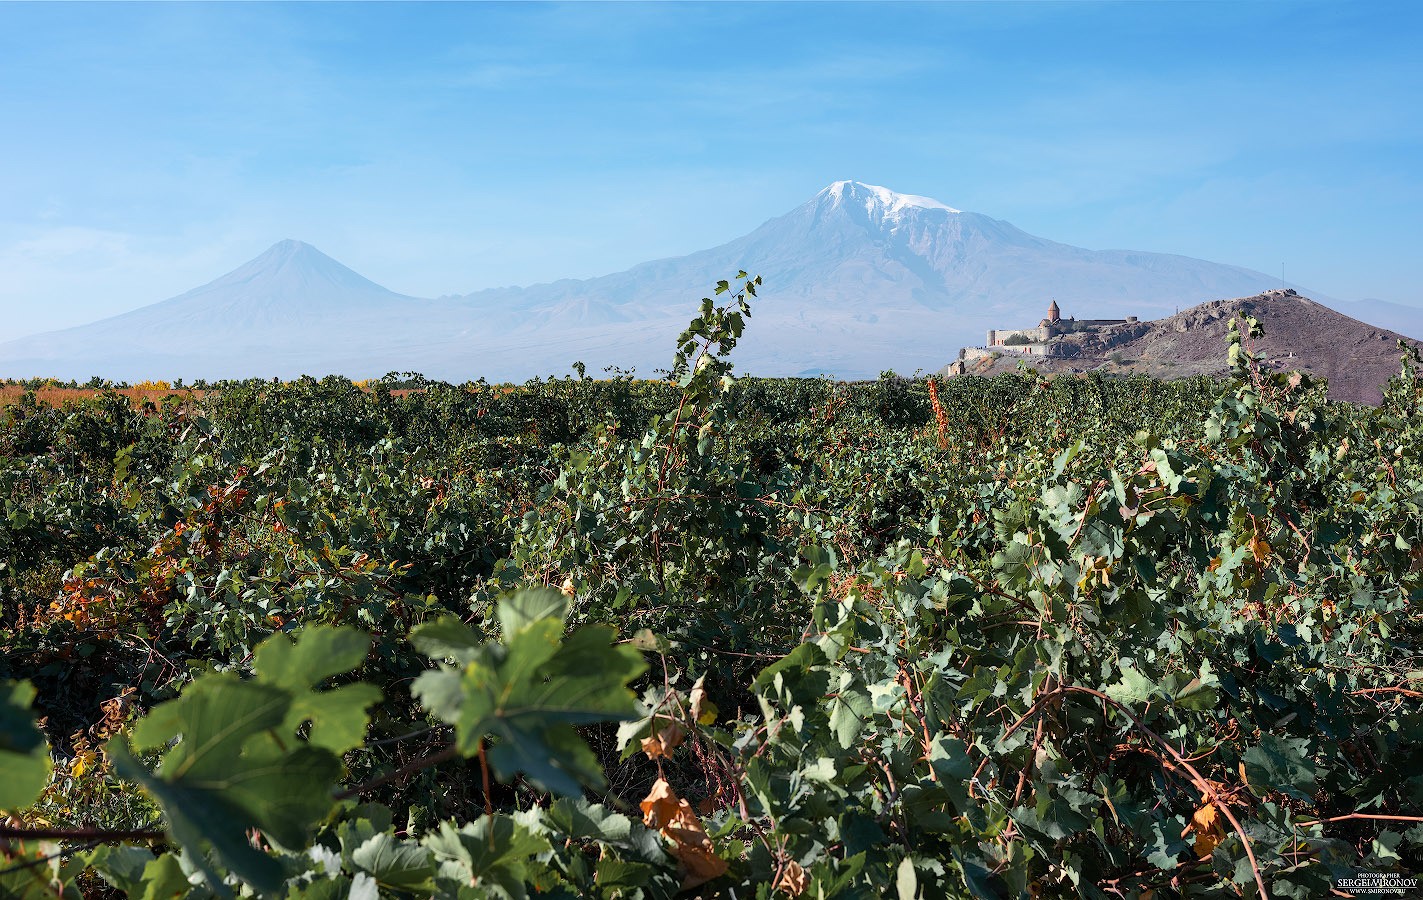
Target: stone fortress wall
1037 341
998 337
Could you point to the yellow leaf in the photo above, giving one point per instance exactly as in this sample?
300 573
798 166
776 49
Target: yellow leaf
703 710
1209 831
708 714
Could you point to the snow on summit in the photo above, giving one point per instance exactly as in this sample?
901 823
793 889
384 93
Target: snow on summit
876 198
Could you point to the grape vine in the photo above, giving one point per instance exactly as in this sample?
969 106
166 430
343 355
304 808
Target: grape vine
713 636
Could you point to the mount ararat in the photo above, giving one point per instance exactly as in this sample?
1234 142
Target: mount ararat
857 280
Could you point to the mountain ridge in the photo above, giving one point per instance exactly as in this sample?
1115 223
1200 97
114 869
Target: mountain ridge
857 279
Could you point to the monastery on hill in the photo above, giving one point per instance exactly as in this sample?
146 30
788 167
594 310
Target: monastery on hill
1037 341
1030 341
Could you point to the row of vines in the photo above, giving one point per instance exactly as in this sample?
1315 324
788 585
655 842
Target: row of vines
714 636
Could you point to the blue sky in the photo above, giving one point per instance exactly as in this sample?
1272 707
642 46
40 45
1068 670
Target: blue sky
443 148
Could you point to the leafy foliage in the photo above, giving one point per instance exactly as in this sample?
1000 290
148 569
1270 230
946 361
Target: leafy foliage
529 690
24 758
1014 637
238 762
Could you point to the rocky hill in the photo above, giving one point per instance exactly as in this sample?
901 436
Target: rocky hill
1356 358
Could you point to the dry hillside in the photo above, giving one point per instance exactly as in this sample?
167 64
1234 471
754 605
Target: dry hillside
1356 357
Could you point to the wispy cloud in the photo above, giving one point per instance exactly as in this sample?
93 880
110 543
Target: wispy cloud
446 147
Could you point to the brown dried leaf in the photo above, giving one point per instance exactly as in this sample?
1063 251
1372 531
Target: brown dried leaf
699 865
672 735
660 805
693 848
1259 548
1206 823
792 879
664 740
664 810
116 712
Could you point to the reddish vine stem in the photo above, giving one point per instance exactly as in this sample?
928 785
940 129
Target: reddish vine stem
1032 756
1043 698
662 474
1390 690
973 781
1086 509
8 832
1207 792
409 768
1371 816
484 780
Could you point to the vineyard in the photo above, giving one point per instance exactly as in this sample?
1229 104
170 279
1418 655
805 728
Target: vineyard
713 636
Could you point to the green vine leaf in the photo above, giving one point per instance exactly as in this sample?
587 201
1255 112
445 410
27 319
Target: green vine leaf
338 718
231 770
530 690
395 865
36 870
1134 687
531 606
446 637
494 851
24 756
1281 764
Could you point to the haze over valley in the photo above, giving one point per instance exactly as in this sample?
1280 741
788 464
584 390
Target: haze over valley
858 279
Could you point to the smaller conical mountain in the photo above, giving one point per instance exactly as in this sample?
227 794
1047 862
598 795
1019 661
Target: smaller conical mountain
292 310
291 286
291 279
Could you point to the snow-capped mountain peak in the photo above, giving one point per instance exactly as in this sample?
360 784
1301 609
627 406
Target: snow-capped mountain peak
875 199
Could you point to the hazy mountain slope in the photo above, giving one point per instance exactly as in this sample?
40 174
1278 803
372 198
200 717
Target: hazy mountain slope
857 280
290 311
1394 316
860 279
